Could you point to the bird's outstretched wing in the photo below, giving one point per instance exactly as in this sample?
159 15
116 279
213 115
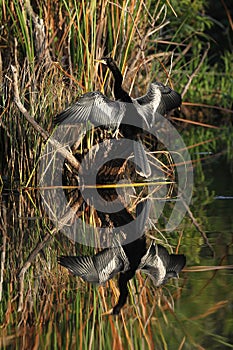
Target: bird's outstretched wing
176 263
158 99
160 265
152 265
98 268
81 266
109 262
93 107
151 257
170 98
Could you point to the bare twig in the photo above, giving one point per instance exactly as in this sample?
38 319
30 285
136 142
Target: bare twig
207 268
195 71
203 105
188 121
198 227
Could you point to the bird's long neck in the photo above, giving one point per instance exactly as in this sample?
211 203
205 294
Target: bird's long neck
116 73
119 93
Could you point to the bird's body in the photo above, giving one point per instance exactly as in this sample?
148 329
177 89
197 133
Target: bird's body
133 121
159 98
128 115
122 114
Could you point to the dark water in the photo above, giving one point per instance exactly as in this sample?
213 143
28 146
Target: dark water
208 298
202 316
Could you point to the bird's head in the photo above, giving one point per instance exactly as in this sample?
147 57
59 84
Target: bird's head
107 61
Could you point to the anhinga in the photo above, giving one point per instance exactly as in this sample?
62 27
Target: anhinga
125 113
131 125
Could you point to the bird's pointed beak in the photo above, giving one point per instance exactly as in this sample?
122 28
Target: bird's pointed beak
100 60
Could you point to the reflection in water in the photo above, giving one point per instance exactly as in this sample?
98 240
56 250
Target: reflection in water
59 312
128 250
103 266
126 259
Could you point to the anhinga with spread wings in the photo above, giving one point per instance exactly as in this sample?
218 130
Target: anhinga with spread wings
127 114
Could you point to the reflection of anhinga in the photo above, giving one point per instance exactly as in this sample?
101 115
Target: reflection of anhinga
126 259
100 268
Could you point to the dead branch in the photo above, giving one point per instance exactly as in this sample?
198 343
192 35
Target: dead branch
40 37
45 135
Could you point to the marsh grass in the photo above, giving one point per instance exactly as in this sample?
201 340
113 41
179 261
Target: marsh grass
53 44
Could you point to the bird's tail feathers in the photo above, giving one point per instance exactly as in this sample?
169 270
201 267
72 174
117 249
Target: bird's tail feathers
142 214
142 165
